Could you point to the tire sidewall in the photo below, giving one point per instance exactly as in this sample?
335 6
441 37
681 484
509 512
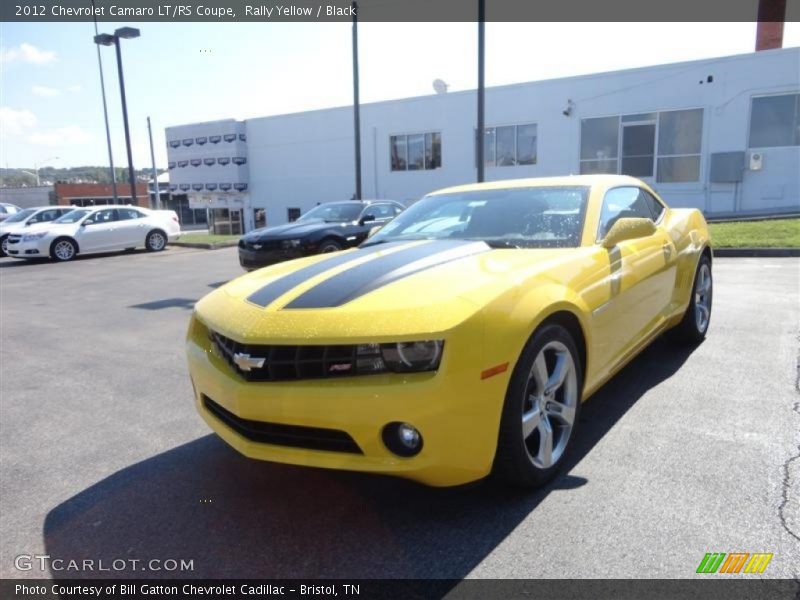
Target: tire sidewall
3 245
510 441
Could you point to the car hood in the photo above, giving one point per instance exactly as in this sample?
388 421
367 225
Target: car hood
289 230
386 290
7 228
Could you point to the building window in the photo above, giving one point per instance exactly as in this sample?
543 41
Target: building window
680 134
510 145
416 151
775 121
627 145
292 214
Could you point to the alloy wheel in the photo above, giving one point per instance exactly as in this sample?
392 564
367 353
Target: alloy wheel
549 408
702 297
157 241
64 250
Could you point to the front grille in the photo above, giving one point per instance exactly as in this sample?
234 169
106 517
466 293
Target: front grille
262 245
295 436
289 363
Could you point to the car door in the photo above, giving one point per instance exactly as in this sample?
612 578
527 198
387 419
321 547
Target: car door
131 228
98 231
641 275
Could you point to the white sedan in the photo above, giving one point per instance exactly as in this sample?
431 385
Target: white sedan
26 218
96 229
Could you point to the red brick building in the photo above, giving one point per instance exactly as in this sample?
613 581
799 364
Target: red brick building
93 194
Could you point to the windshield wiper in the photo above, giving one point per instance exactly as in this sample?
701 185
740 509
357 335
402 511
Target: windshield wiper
500 244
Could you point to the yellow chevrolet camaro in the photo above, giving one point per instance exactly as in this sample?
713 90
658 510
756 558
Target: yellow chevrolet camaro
459 340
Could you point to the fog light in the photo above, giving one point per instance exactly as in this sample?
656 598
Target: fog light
402 439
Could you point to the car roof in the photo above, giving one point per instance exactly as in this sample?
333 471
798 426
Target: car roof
584 180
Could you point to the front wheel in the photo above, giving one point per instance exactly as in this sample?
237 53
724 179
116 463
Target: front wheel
694 325
63 249
4 246
541 409
156 241
329 246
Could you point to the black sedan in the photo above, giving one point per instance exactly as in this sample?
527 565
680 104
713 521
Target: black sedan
325 228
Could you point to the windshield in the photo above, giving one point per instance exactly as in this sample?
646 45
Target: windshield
335 211
72 216
535 217
21 215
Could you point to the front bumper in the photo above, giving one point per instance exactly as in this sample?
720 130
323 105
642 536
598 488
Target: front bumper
30 249
456 412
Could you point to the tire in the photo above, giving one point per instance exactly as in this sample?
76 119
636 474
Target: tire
533 408
4 246
329 246
156 241
693 327
63 249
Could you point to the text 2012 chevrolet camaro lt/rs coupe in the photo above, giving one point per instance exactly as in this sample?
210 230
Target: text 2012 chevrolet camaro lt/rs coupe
459 340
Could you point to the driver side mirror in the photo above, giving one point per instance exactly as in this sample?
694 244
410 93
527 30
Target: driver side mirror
366 219
628 229
86 222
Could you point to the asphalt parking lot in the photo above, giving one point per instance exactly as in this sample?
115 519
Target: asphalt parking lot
103 457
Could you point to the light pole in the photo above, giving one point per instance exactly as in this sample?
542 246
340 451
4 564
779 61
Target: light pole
36 168
105 111
356 103
106 39
481 68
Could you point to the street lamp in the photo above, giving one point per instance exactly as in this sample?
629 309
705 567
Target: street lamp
36 167
107 39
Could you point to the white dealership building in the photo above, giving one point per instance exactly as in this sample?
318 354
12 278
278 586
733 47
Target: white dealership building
721 135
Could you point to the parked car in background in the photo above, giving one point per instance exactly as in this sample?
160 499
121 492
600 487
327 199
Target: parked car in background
6 210
325 228
96 229
21 220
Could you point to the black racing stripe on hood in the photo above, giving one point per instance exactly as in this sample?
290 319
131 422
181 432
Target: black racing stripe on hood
275 289
362 279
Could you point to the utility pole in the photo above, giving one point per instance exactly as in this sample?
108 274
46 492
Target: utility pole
156 190
356 104
481 68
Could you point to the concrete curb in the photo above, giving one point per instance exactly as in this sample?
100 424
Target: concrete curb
206 246
756 252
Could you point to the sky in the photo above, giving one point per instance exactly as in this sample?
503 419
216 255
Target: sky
175 73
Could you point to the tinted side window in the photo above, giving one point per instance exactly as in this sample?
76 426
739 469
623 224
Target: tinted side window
380 211
104 216
129 213
622 203
49 215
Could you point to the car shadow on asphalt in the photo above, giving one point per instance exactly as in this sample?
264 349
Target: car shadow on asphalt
236 517
20 262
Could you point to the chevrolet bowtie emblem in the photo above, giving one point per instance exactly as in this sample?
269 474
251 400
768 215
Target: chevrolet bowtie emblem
247 363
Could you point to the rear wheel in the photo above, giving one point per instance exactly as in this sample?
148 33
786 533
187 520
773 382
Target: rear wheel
63 249
541 409
694 325
329 246
156 241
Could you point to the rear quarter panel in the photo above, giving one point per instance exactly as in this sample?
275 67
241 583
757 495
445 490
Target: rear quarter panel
689 232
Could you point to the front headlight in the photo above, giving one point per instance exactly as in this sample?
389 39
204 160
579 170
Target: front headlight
291 244
401 357
29 237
